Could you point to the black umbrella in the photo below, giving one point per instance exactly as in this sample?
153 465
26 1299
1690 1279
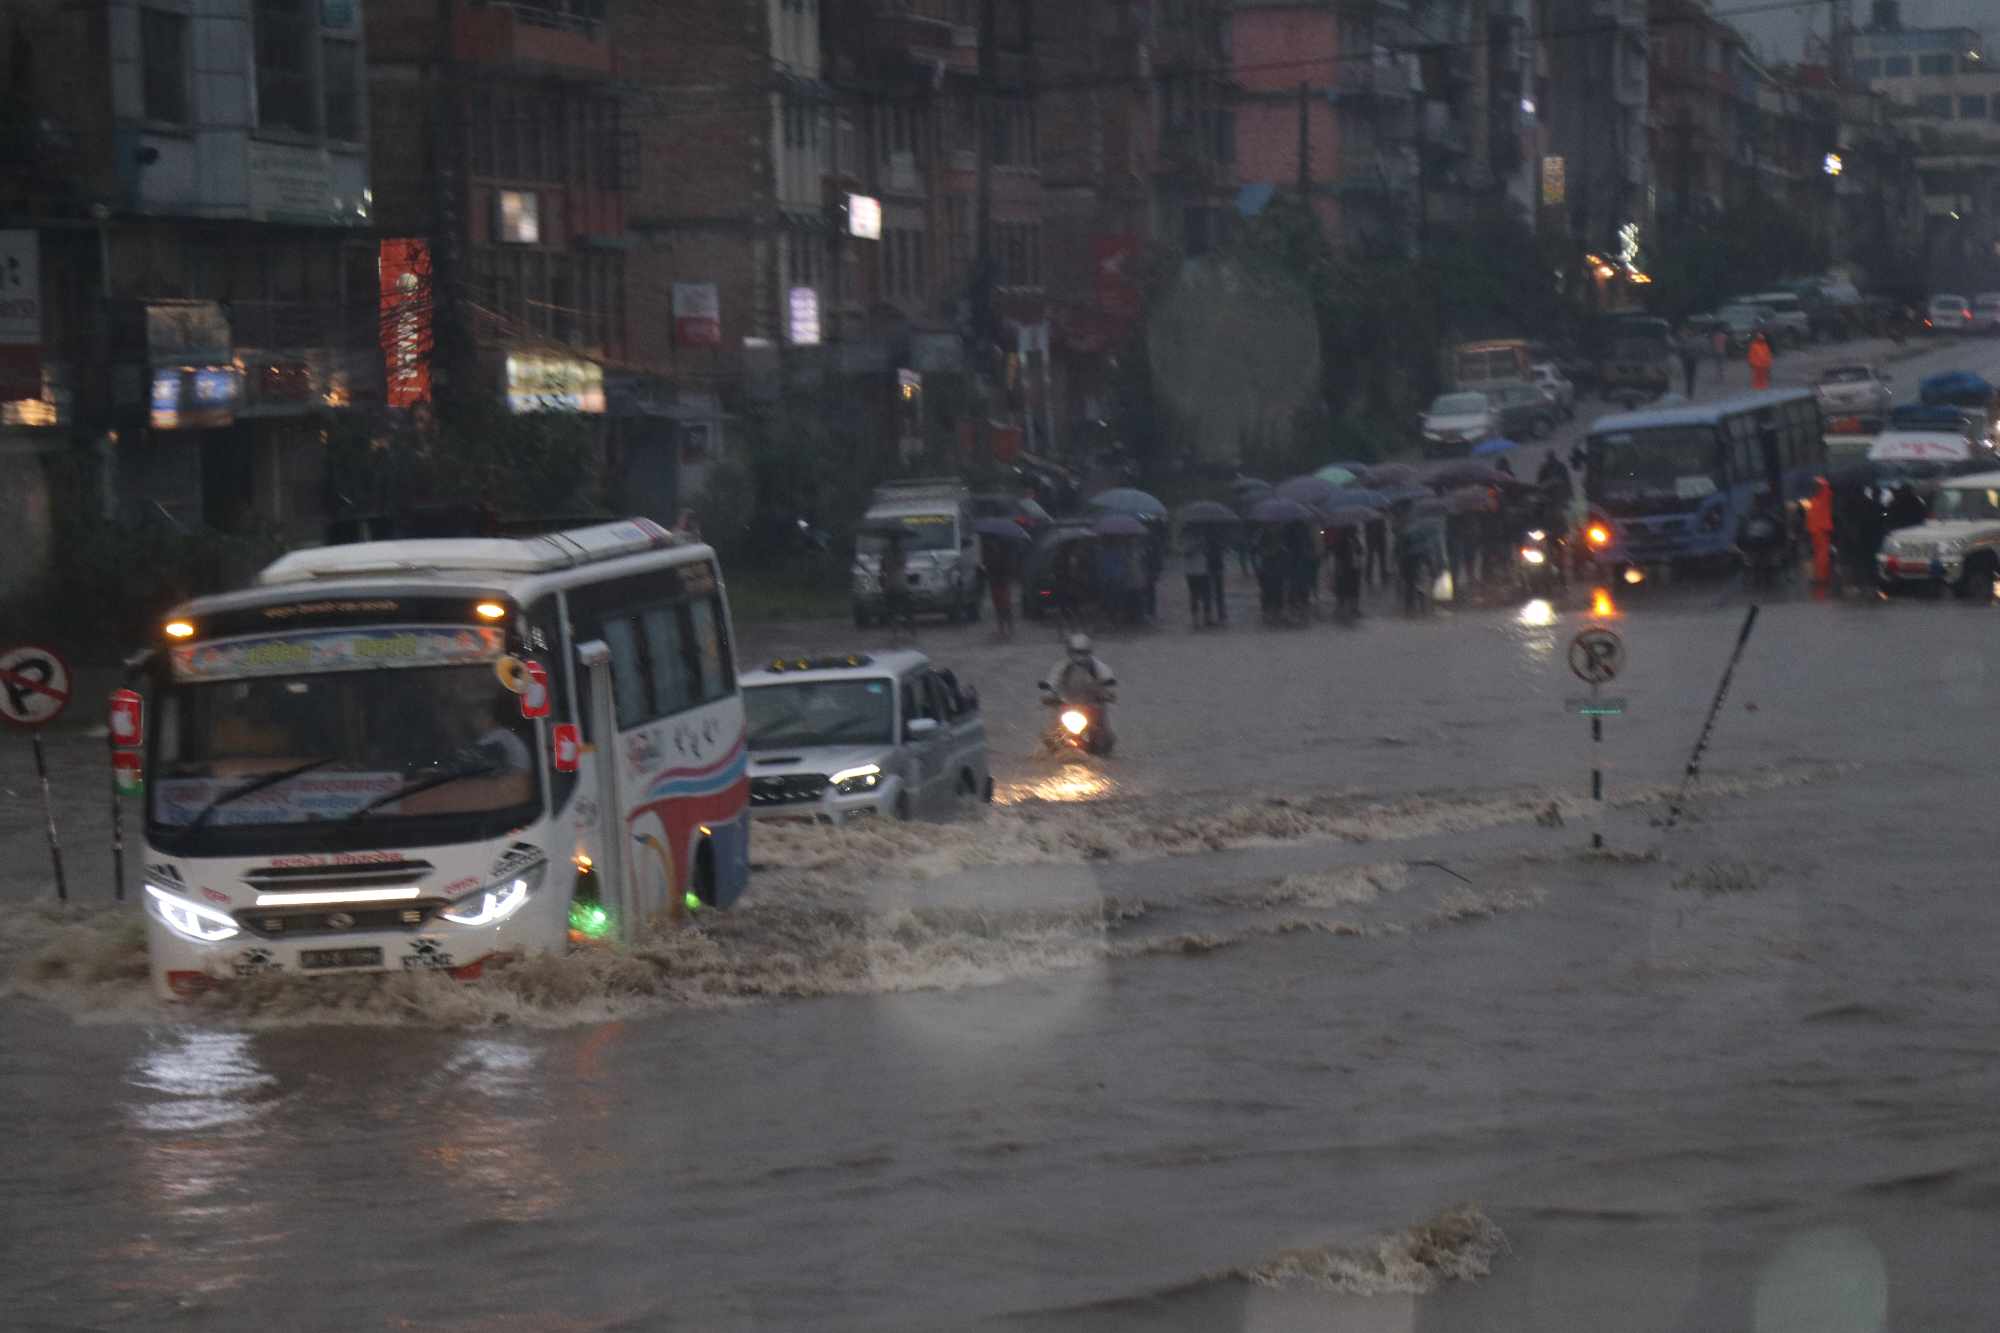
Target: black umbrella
1002 529
1313 491
1454 475
1206 513
1389 476
1242 484
1470 500
1277 509
1433 508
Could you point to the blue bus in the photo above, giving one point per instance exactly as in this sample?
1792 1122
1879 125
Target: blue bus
1670 484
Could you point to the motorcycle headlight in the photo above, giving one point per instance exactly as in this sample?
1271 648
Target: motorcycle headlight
854 781
1074 720
1597 535
1532 556
189 919
1537 535
497 901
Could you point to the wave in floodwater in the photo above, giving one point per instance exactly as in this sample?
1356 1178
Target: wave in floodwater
1458 1245
822 920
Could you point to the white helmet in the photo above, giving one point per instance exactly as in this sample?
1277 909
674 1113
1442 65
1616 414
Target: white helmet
1079 645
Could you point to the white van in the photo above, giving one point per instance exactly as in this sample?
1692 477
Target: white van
934 519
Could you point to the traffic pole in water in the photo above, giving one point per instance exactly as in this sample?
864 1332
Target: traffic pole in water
1693 772
1596 770
49 810
117 822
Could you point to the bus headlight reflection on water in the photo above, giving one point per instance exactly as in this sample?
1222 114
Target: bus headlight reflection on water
189 919
496 902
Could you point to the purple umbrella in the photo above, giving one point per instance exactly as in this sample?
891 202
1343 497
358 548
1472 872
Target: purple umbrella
1352 516
1205 512
1277 509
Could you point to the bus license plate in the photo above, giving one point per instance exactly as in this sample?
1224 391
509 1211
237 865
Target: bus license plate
314 959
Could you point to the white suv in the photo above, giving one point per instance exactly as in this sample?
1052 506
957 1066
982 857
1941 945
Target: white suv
1986 313
852 734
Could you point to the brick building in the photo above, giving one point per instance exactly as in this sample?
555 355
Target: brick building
187 195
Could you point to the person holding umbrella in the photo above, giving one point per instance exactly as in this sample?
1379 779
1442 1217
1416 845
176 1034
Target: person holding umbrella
1194 565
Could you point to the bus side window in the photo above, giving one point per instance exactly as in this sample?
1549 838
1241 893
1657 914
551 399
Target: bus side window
715 670
628 676
666 640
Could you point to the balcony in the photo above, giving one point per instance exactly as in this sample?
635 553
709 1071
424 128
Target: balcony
930 42
550 36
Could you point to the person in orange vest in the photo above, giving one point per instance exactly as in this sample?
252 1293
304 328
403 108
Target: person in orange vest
1819 527
1760 361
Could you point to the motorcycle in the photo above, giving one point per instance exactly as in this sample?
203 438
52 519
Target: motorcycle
1080 724
1538 563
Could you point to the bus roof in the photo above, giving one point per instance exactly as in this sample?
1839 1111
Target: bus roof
472 555
1700 414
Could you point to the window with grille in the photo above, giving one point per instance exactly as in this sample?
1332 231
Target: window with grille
284 31
163 40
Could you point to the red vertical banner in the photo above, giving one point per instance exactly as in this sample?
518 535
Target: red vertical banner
405 269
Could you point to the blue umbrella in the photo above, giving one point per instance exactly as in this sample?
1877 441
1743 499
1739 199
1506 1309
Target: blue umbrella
1128 500
1498 444
1337 473
1118 525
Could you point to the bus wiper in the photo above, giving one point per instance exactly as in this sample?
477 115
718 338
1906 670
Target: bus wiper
250 788
482 770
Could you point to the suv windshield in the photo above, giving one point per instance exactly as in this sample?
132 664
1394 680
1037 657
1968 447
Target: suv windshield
1458 404
923 532
1966 502
353 737
1846 375
821 712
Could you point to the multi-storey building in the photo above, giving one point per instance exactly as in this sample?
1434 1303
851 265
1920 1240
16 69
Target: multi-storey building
186 202
501 173
1596 174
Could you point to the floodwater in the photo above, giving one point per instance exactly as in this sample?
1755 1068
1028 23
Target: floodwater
1313 1009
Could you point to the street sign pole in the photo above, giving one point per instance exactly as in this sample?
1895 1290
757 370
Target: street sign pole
1596 769
34 690
49 811
117 821
1597 655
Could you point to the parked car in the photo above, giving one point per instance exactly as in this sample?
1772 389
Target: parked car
884 734
1852 389
1556 387
1986 313
1457 421
1742 322
1948 314
1787 322
1523 410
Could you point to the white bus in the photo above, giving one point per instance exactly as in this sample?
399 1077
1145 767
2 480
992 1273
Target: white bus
434 754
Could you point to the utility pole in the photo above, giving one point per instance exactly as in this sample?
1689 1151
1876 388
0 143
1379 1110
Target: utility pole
1305 144
983 321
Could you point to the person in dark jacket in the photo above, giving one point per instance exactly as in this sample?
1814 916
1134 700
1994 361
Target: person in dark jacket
1217 555
1906 508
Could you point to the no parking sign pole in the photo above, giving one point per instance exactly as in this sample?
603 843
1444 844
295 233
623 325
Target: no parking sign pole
1596 655
124 735
34 689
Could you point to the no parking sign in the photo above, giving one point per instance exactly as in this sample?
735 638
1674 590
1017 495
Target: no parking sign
34 689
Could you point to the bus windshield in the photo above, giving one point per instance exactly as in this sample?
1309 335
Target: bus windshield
355 737
1678 461
821 712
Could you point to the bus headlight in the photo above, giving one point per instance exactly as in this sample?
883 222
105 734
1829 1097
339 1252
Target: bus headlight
190 920
496 902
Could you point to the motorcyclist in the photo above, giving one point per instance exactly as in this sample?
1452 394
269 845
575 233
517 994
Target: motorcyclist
1080 675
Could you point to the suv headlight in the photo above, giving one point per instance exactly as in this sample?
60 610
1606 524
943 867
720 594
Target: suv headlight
854 781
497 901
189 919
